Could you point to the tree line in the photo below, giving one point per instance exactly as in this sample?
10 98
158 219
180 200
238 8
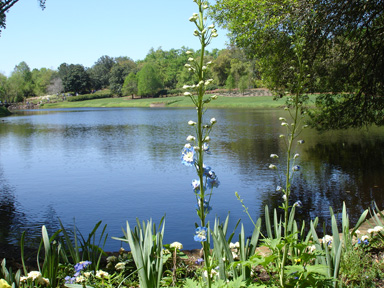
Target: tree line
161 72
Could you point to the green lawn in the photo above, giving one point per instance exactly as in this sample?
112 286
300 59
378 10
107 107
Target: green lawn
177 101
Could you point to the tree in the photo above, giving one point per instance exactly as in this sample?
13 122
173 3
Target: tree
343 51
230 83
100 72
20 83
5 5
148 80
119 71
75 78
130 85
41 79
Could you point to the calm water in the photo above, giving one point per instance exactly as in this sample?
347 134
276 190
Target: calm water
115 165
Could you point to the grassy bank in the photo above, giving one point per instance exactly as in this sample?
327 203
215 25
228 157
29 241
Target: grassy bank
4 111
177 101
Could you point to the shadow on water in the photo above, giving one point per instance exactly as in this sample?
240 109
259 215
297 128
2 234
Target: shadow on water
335 172
13 221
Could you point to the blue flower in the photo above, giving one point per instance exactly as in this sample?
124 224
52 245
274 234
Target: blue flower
70 280
212 180
188 156
365 241
81 265
206 170
206 148
298 204
296 168
201 234
199 261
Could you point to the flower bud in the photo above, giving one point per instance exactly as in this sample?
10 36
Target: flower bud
207 139
213 120
214 97
191 123
191 138
189 52
275 156
187 94
271 166
284 124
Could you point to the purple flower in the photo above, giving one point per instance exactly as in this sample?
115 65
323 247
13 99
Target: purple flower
69 280
199 261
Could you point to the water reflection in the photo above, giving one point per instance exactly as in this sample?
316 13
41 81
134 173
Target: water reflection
118 164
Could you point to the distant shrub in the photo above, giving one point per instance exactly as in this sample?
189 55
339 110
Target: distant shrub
175 91
97 95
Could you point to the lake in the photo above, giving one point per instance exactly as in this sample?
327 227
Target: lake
116 164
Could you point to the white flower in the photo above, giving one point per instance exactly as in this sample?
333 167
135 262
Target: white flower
176 245
80 279
102 274
312 248
111 259
188 146
234 245
282 119
364 237
191 123
378 228
187 94
120 266
296 155
274 156
190 59
284 124
211 26
207 139
189 52
284 197
34 275
204 68
357 232
87 274
271 166
235 256
187 65
213 120
191 138
327 239
23 279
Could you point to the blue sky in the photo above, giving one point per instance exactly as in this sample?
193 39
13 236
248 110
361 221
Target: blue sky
81 31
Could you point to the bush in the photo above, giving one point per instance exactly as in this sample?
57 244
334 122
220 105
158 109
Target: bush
96 95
